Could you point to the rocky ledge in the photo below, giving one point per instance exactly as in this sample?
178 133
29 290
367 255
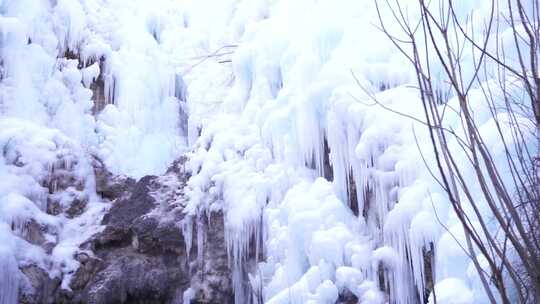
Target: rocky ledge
141 255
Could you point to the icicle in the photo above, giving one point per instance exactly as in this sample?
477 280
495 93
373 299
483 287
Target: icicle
187 231
200 241
238 252
109 89
238 288
9 280
255 281
179 88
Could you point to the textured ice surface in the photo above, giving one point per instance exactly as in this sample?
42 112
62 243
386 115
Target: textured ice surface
325 185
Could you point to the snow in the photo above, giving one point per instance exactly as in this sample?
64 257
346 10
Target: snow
9 281
452 291
294 98
295 115
188 295
57 59
31 155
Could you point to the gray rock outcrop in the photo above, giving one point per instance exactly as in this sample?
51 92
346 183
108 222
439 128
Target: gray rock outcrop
140 257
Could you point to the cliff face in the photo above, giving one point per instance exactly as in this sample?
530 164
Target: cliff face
306 140
141 255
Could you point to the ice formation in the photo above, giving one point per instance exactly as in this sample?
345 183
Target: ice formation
336 182
329 189
75 83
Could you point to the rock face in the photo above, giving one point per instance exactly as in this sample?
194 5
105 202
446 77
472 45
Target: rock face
140 256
